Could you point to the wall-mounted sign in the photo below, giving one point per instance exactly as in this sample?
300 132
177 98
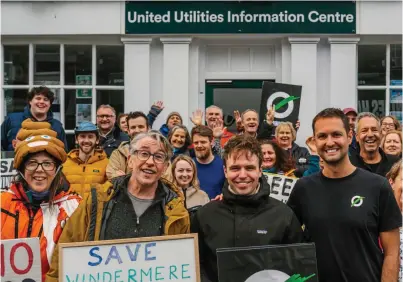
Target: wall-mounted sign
194 17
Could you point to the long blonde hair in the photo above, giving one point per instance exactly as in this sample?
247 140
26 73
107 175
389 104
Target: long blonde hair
170 172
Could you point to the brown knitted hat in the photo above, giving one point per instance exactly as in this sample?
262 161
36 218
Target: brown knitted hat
174 114
40 139
29 128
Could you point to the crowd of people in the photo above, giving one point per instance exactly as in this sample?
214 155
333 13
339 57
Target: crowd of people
125 179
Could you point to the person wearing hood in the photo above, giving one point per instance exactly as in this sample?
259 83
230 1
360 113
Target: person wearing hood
173 119
140 204
247 215
86 165
40 100
38 203
285 137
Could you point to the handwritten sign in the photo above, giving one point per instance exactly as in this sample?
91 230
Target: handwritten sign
21 260
280 186
162 258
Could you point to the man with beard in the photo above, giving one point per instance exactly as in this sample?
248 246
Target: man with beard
247 215
86 165
137 122
371 157
110 134
346 210
209 166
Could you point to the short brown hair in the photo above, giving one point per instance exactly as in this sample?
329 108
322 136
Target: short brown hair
242 143
332 113
395 170
202 130
41 90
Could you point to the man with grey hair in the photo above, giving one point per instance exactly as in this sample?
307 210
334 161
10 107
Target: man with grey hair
110 135
370 156
140 204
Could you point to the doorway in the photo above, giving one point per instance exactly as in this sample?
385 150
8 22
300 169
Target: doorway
233 95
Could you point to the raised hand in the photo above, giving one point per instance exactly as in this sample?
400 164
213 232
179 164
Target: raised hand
197 117
218 128
237 117
270 115
159 105
297 125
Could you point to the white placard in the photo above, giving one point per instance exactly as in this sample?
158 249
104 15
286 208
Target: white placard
7 172
21 260
280 186
162 258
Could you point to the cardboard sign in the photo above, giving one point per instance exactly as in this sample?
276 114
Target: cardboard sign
21 260
285 97
285 263
162 258
280 186
7 172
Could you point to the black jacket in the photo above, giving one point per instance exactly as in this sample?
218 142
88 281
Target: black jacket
112 141
240 221
385 165
300 155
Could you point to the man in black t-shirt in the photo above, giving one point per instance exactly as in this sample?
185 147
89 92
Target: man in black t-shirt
346 210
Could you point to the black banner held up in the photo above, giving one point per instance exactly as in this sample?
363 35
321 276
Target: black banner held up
285 97
285 263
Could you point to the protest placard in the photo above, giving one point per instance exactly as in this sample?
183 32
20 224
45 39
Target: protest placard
280 186
161 258
7 170
285 263
21 260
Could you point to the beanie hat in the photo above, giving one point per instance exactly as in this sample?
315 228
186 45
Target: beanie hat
29 128
39 141
174 114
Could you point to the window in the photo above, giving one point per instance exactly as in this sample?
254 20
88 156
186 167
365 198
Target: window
380 79
81 76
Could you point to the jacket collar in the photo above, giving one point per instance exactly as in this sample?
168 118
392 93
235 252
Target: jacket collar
28 114
98 155
250 201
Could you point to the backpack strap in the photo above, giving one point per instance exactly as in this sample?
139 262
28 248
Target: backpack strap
93 215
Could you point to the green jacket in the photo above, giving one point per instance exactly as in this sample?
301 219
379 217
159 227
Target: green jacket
87 221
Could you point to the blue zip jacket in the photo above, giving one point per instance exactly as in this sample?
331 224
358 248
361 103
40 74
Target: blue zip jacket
12 124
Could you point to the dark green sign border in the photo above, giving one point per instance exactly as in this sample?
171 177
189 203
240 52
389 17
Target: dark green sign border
239 17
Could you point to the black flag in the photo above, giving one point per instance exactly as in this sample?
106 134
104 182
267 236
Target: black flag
281 263
285 97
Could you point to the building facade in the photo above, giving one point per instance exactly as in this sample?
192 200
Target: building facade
194 54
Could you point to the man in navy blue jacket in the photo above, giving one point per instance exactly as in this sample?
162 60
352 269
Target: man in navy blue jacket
40 100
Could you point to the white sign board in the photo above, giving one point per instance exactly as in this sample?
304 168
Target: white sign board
21 260
7 172
280 186
161 258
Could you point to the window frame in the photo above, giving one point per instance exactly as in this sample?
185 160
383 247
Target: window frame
386 87
61 86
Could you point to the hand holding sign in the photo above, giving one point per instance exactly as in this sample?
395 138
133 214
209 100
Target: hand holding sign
270 115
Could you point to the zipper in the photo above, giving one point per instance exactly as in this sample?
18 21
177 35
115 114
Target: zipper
31 220
138 220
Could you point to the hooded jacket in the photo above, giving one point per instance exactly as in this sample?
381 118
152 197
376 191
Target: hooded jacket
90 219
82 176
18 219
195 197
112 141
242 221
118 161
12 124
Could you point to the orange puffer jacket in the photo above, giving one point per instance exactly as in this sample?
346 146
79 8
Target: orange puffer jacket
19 221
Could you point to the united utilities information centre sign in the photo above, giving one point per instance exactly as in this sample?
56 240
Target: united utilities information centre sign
229 17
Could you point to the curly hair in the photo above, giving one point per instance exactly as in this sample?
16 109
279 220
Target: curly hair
41 90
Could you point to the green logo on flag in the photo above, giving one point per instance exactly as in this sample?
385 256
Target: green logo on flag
298 278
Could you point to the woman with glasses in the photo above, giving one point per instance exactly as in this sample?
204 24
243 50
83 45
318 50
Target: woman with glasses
38 203
389 123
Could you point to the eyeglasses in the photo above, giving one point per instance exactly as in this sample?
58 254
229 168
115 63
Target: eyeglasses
145 155
388 124
104 116
33 165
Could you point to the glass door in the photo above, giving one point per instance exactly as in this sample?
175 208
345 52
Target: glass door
233 95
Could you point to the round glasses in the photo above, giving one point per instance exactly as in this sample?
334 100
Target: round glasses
145 155
47 166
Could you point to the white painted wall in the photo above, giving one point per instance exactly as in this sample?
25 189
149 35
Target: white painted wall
379 17
323 76
69 17
156 78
